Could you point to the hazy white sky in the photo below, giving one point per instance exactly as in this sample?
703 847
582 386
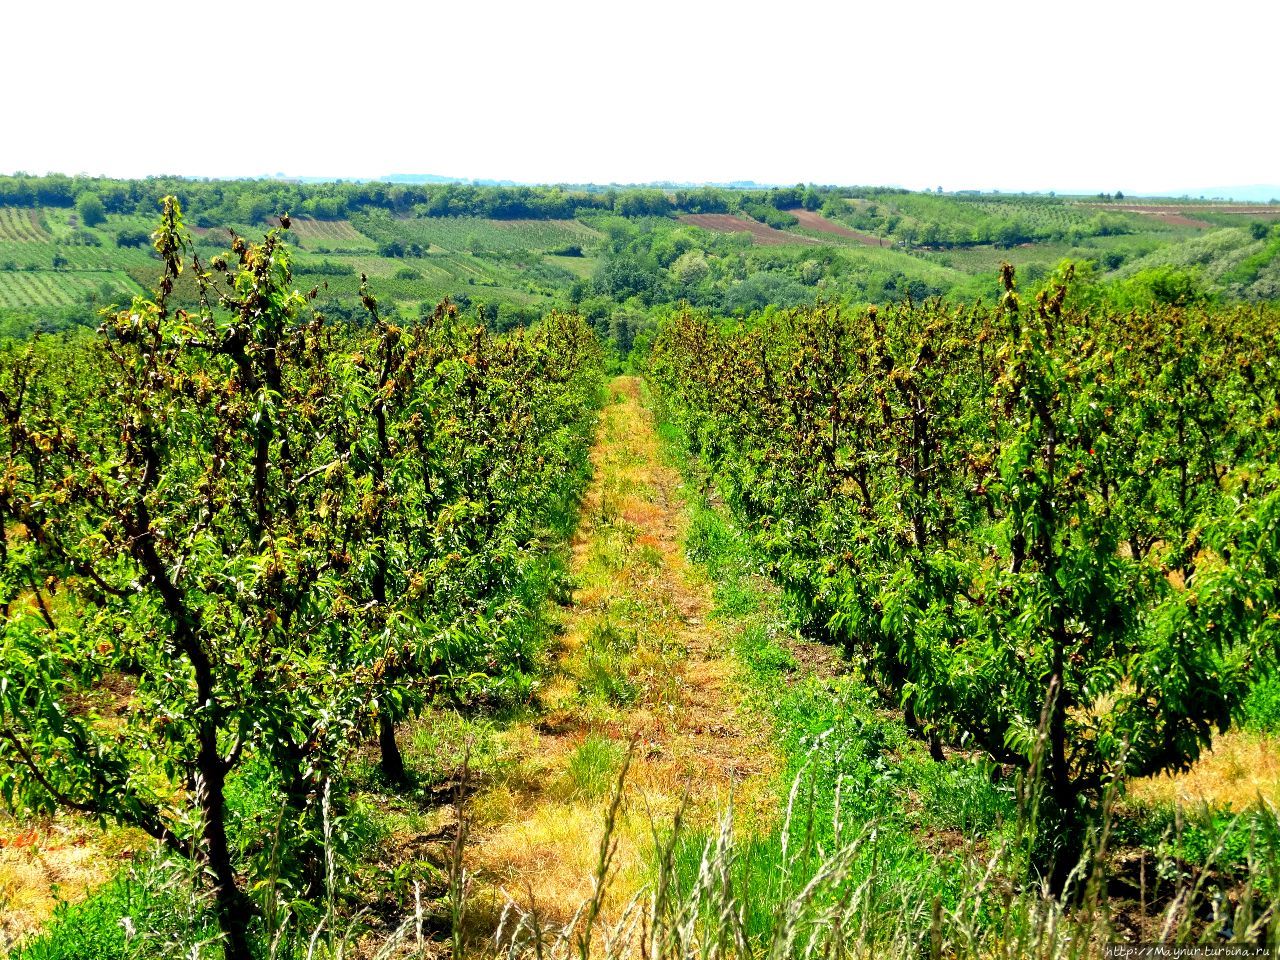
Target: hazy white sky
1073 94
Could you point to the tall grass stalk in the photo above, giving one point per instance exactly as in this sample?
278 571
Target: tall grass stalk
844 903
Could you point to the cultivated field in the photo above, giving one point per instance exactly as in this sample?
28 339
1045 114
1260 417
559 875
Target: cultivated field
1174 216
29 255
811 220
475 234
47 260
581 267
329 234
729 223
22 225
1191 213
22 288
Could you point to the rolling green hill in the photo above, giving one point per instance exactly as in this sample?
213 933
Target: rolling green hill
512 253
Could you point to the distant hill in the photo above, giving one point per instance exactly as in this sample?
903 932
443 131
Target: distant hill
1243 193
421 178
426 178
1253 193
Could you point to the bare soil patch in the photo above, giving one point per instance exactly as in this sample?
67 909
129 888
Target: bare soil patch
729 223
812 220
1170 215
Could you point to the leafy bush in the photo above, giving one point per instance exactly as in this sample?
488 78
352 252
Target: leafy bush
1262 707
770 215
90 210
326 268
129 237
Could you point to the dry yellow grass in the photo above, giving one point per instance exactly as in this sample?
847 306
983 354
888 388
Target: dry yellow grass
534 838
1241 768
42 862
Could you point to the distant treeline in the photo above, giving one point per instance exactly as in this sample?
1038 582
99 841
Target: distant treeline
218 202
915 219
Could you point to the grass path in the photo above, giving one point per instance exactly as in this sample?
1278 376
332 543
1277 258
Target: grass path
638 659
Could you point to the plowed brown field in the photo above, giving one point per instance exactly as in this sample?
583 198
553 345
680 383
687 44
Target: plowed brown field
812 220
728 223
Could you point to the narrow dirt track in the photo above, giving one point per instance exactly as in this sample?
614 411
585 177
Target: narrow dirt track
538 826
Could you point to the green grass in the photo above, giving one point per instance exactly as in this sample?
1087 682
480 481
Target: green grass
92 929
582 267
601 666
145 911
444 741
593 767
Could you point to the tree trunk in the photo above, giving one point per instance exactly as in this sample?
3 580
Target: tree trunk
392 760
1069 830
935 749
234 909
1068 838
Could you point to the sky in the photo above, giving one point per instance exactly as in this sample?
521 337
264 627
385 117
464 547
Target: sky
1067 96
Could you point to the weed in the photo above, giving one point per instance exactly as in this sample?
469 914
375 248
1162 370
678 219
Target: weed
593 766
605 659
787 896
602 678
961 795
147 910
763 655
444 741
